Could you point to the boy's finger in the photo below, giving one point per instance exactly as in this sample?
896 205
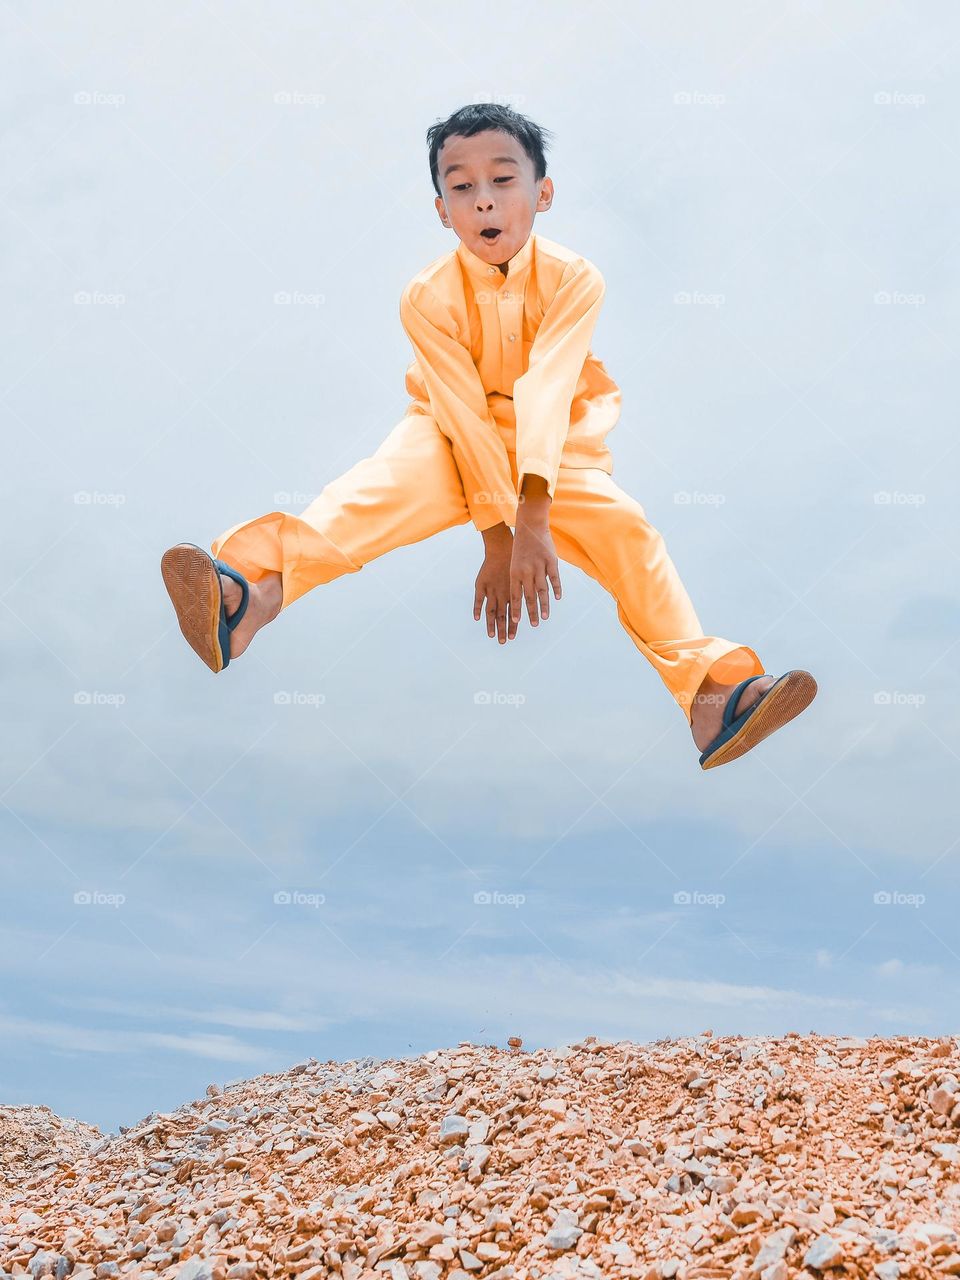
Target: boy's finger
514 618
544 593
501 626
555 580
491 616
531 598
477 603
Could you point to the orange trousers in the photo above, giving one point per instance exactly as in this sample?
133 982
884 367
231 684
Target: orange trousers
410 489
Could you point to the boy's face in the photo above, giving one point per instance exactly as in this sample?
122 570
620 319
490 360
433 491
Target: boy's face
488 181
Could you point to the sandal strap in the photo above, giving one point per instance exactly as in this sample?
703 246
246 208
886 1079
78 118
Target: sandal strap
237 576
730 710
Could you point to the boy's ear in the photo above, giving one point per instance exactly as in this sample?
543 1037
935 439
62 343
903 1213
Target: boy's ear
546 195
438 202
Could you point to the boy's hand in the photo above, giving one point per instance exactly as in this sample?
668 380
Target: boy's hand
534 558
493 581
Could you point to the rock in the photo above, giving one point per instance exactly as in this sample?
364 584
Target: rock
823 1253
773 1248
565 1231
196 1269
453 1128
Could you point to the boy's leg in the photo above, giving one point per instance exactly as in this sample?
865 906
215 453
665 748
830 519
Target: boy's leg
407 490
603 531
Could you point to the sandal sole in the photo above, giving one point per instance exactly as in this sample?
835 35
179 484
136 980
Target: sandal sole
194 587
784 700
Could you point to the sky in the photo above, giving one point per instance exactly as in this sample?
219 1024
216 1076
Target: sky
333 849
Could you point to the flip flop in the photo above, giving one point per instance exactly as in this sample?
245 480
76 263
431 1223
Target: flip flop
785 698
192 578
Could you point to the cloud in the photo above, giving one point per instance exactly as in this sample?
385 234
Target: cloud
63 1035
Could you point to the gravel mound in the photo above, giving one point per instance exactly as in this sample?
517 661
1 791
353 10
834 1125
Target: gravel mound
693 1159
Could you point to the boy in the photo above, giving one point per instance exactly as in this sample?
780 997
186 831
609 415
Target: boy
506 428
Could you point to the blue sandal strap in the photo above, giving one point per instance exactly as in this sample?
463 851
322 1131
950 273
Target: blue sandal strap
729 711
237 576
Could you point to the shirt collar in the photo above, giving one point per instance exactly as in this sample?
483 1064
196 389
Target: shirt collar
480 272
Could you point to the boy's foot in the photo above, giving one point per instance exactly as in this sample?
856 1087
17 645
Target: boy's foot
206 600
723 732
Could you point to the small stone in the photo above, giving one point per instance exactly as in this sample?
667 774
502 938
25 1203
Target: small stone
547 1072
196 1268
452 1129
889 1270
823 1253
302 1156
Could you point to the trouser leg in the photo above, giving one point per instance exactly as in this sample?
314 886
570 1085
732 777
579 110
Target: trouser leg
407 490
601 529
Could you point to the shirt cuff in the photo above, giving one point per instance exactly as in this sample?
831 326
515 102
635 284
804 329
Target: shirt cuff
536 467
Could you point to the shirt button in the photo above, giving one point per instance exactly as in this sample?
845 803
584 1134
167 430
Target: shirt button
491 270
513 337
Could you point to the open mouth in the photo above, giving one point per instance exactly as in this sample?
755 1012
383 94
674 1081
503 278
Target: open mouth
491 234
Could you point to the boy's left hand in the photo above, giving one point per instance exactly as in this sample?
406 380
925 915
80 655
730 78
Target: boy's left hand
493 581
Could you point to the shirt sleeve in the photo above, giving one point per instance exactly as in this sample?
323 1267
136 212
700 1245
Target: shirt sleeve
459 404
543 395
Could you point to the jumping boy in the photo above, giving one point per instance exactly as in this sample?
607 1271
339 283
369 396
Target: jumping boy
505 427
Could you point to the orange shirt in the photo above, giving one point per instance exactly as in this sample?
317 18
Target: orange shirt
504 362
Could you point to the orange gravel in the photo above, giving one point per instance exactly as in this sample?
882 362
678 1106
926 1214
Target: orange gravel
751 1158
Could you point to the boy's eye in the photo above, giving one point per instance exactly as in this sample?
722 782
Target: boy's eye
463 185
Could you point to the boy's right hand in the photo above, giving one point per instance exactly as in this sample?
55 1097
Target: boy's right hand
493 581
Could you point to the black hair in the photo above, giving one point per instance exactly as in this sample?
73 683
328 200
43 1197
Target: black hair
478 116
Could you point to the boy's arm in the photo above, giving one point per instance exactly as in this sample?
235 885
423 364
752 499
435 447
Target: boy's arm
459 404
543 395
